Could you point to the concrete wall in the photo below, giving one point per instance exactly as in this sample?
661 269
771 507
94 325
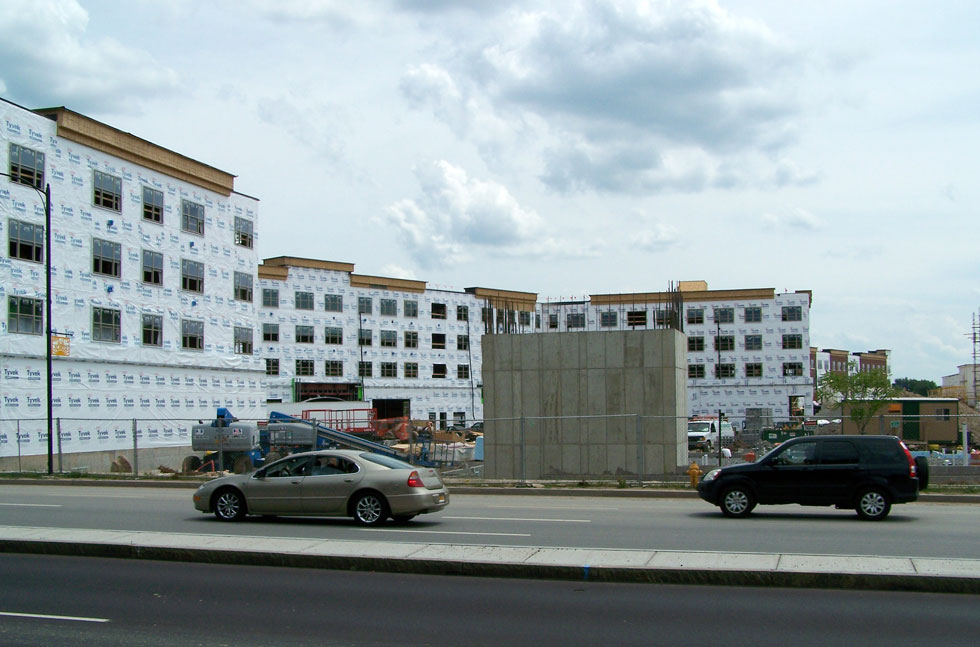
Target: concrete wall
100 462
581 395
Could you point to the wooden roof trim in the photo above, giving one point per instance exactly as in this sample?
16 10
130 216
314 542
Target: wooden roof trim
102 137
275 273
386 283
506 299
666 297
309 263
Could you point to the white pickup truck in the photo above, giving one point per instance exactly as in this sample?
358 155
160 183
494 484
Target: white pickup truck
703 434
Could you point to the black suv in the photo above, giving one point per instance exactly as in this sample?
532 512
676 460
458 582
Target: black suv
863 473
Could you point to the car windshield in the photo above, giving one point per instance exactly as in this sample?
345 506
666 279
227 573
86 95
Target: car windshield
387 461
699 427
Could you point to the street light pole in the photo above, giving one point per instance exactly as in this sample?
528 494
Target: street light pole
721 436
46 194
47 304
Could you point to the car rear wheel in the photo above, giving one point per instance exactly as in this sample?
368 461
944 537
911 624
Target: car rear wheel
370 509
873 504
737 501
229 505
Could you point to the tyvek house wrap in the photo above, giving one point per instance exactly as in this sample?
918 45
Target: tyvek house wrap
102 386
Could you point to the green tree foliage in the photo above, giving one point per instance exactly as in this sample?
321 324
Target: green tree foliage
919 387
862 394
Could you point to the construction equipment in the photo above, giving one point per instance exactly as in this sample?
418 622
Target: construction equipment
242 446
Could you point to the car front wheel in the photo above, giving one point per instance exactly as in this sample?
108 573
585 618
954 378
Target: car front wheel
737 501
873 505
370 509
229 505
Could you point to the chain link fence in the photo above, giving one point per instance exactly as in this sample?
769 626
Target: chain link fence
623 450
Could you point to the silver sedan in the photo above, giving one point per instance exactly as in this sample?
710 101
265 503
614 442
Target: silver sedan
346 483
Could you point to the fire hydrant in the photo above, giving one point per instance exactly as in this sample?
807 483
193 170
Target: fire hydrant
695 473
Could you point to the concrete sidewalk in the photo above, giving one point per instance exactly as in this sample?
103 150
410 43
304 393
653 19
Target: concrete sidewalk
633 566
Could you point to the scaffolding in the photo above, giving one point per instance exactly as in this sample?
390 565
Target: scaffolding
628 311
975 335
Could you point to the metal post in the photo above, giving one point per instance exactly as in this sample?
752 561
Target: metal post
720 441
966 446
47 303
46 194
136 453
718 377
19 468
640 451
523 455
60 470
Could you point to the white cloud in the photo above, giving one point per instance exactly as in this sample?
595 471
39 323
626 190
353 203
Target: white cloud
50 61
431 86
456 211
788 172
795 218
623 89
398 272
313 125
657 238
332 12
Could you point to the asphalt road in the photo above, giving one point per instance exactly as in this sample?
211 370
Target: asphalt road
50 600
912 530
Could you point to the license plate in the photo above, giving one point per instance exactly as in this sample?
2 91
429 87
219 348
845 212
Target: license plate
440 498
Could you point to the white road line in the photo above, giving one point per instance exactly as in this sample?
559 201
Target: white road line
448 532
33 505
520 519
147 495
552 507
40 616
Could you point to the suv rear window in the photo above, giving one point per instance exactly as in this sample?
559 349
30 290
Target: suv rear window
838 452
883 450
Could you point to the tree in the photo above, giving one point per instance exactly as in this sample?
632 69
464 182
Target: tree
919 387
865 393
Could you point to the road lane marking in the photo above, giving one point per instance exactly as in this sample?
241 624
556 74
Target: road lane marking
551 507
448 532
33 505
41 616
520 519
148 494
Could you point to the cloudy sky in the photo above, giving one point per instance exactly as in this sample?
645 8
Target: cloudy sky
569 148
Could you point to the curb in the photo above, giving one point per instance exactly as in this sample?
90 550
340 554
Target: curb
582 573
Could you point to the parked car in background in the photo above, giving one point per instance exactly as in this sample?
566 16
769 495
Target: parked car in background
703 434
863 473
348 483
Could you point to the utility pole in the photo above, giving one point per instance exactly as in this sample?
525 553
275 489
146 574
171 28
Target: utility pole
46 194
718 377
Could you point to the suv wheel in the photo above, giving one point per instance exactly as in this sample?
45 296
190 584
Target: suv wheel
873 504
737 501
922 470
